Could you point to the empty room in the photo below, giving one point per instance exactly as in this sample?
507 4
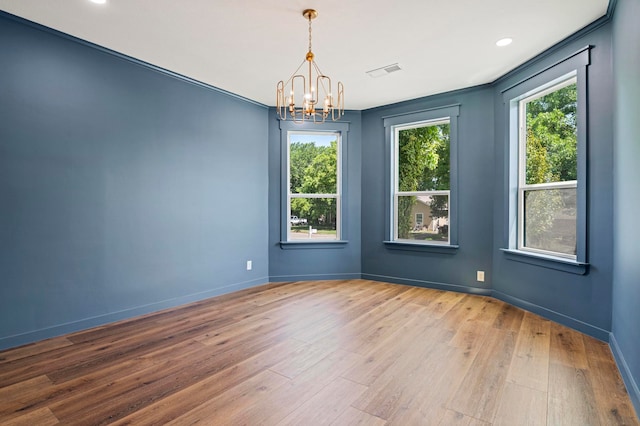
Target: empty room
432 220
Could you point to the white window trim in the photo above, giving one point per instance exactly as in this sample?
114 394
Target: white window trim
415 119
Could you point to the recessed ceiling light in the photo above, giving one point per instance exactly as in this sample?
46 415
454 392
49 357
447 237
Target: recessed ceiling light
98 1
504 42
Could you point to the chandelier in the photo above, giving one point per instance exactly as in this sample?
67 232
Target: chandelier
304 100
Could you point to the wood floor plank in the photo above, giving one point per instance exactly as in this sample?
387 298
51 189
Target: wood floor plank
489 311
303 359
520 405
334 352
609 391
466 310
380 358
134 392
424 296
328 328
218 410
167 409
81 387
327 405
13 397
444 302
385 328
34 349
275 406
469 336
571 397
567 347
354 417
481 388
398 385
39 417
444 372
453 418
530 363
509 318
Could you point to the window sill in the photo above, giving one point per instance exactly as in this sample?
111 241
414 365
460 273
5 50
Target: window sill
550 262
422 247
326 244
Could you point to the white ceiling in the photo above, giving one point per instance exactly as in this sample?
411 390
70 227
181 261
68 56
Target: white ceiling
247 46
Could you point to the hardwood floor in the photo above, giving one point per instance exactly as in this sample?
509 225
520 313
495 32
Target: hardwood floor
322 352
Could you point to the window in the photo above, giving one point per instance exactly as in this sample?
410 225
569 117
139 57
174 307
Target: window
547 166
547 173
313 200
422 181
422 177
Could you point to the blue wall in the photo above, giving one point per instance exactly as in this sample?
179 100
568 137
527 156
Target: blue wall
456 269
626 273
580 301
317 261
123 190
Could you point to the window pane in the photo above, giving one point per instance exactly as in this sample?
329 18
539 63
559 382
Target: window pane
313 163
423 158
550 220
317 214
434 210
551 138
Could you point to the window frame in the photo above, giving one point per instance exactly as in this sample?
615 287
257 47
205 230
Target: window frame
523 186
573 65
341 129
336 195
397 193
415 119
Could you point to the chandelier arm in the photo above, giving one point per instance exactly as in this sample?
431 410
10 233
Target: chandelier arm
320 74
295 72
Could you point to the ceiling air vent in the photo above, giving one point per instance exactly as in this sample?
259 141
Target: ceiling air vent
388 69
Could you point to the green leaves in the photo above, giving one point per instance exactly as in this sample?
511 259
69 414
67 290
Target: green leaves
423 158
314 170
320 176
551 149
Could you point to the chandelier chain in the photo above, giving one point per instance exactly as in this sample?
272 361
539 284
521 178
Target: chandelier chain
309 33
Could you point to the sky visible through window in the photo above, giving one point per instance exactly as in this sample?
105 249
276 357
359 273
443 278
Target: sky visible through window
318 138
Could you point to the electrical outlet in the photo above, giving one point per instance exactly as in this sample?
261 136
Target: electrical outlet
249 265
480 276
